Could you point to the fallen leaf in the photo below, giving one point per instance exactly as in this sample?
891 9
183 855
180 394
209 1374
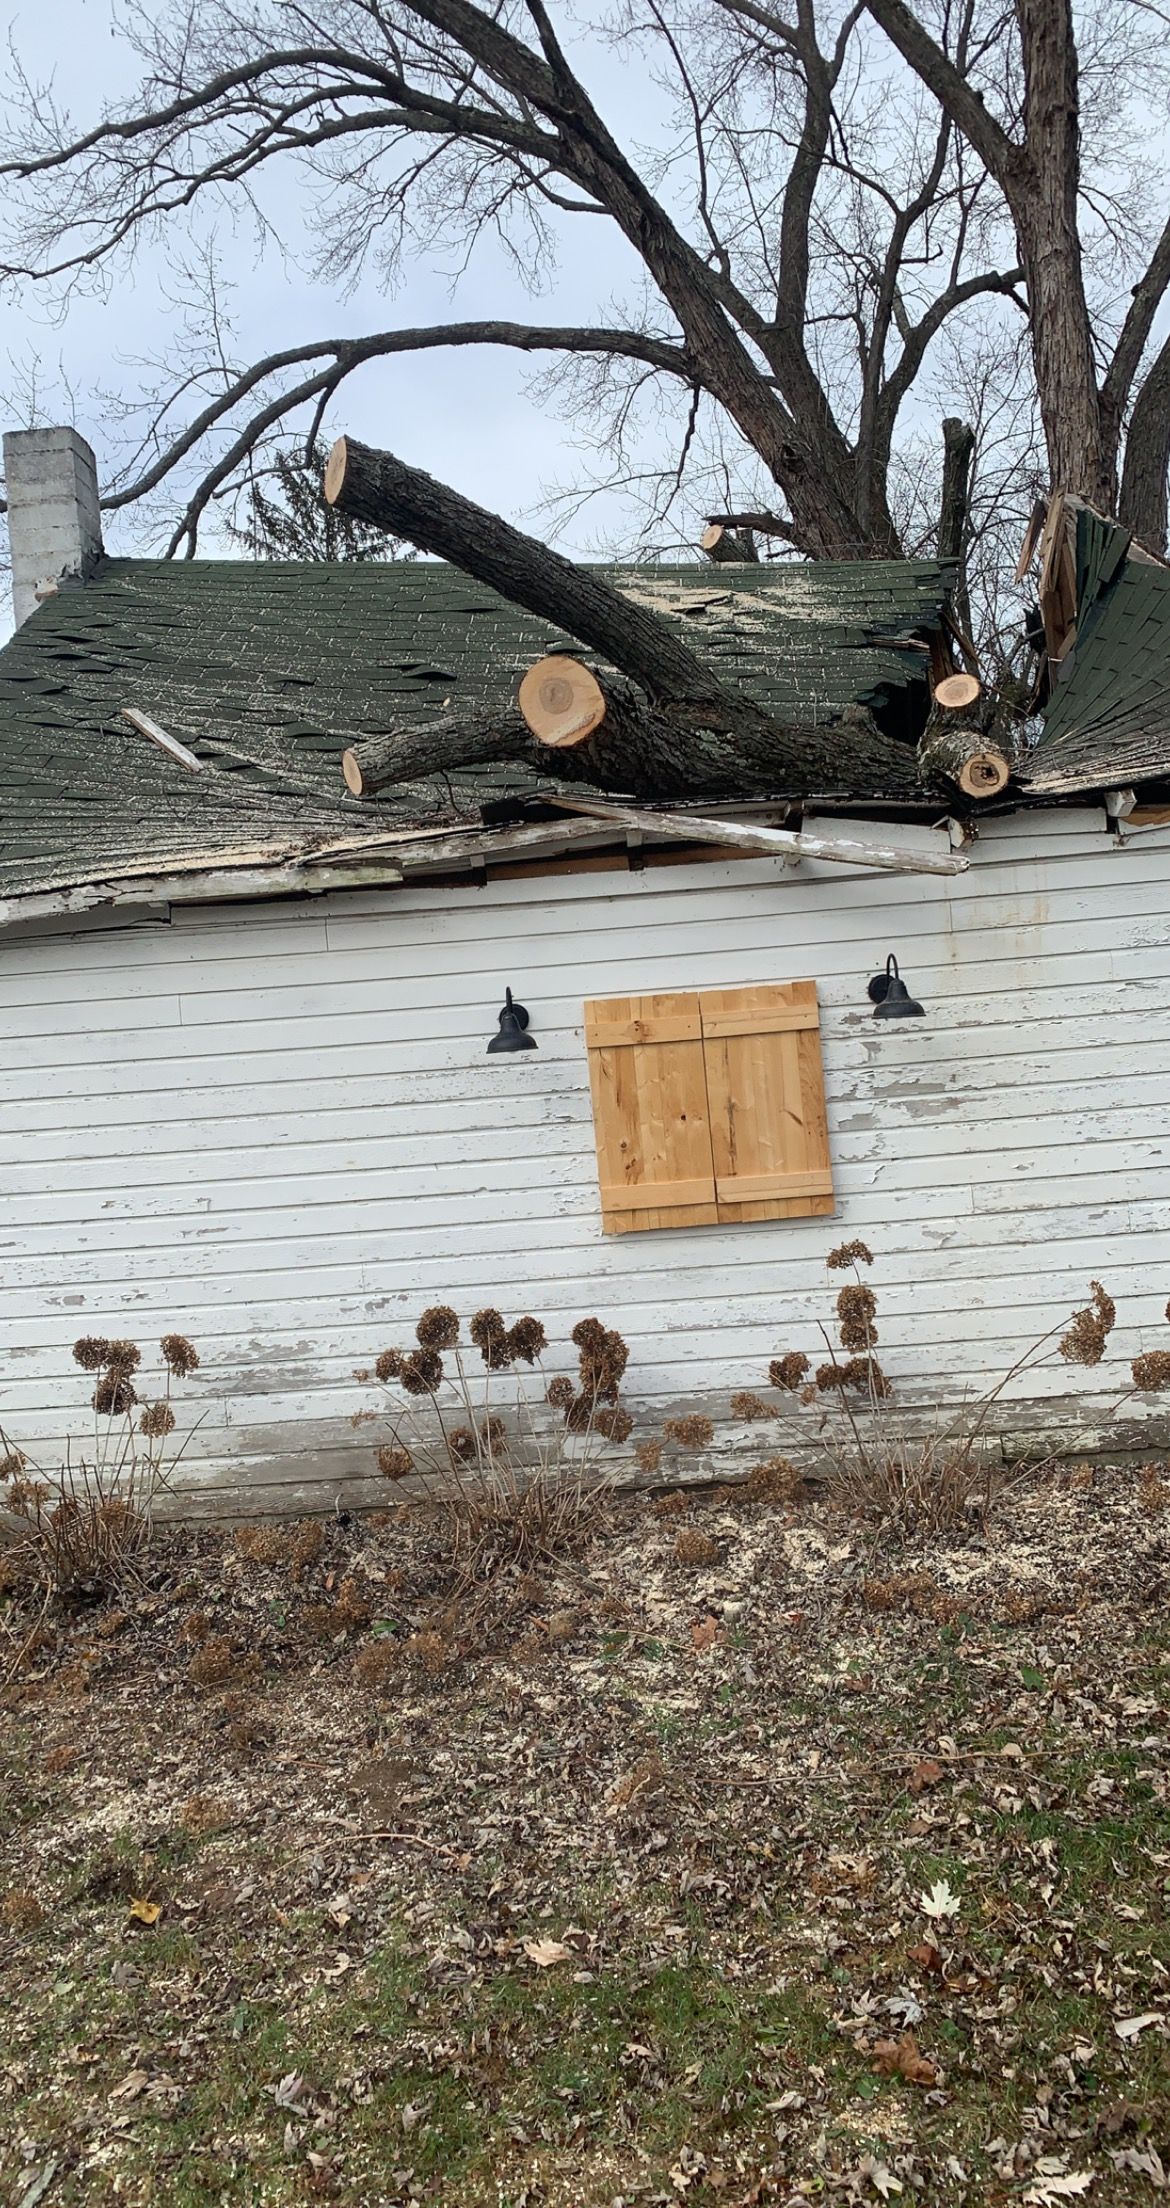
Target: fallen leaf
902 2058
1058 2188
338 1969
705 1633
134 2083
145 1912
38 2185
1128 2027
544 1953
926 1955
1143 2164
289 2090
939 1902
927 1773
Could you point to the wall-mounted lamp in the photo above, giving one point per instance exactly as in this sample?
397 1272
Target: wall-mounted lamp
513 1034
890 997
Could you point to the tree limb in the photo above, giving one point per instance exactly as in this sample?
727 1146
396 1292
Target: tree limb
716 736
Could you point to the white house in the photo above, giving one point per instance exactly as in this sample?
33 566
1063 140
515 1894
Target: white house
245 1091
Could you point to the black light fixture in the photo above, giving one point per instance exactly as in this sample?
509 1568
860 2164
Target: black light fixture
513 1034
890 997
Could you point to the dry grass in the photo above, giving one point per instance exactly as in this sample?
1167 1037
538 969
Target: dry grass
607 1885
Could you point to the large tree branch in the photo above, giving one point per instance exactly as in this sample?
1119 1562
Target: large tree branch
347 354
1117 384
1142 504
918 338
715 729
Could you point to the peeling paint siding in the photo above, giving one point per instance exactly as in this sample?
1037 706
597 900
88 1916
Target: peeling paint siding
276 1128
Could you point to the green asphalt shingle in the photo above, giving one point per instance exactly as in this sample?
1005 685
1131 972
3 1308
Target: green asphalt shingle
1108 723
267 671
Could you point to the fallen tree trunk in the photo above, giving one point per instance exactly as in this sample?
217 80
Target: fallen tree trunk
683 731
964 740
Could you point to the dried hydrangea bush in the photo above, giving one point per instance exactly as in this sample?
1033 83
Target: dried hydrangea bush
516 1464
78 1530
909 1472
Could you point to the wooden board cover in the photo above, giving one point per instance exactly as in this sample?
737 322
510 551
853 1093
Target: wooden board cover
650 1120
709 1107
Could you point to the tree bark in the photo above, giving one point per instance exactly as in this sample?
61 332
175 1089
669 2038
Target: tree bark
637 752
954 509
965 745
691 734
1039 180
1142 505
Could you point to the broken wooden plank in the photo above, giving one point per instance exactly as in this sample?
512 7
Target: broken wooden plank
787 843
160 736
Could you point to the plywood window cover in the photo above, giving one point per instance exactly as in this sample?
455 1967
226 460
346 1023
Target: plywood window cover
709 1107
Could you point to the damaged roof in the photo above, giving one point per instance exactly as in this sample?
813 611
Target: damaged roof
268 671
1108 720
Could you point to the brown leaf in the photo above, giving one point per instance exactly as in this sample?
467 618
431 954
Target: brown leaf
705 1634
145 1912
901 2058
926 1955
546 1952
927 1773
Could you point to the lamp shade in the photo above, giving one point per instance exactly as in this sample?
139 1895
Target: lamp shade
891 998
513 1029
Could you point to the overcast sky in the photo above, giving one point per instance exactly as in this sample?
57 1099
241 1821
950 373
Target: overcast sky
463 415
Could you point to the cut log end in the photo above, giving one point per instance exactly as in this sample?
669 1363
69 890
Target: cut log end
351 769
731 545
561 701
984 774
956 691
335 468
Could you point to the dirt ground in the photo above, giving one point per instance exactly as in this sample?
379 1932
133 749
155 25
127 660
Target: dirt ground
735 1859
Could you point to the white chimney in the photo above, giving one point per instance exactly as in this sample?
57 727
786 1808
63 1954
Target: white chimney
54 520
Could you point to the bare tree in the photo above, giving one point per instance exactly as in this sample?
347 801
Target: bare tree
846 194
1089 379
802 246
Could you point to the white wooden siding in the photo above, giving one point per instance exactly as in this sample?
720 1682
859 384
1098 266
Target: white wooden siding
275 1128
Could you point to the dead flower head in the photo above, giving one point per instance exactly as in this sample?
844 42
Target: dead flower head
490 1336
1084 1343
648 1456
692 1432
91 1352
179 1355
849 1253
788 1371
863 1373
461 1444
560 1392
156 1420
1151 1372
746 1405
774 1481
856 1309
124 1357
388 1364
422 1372
438 1327
603 1359
114 1394
493 1436
11 1465
615 1423
527 1340
695 1547
394 1462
